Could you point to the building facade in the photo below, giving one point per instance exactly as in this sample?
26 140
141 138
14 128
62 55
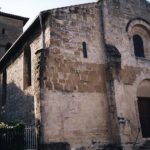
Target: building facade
81 75
11 26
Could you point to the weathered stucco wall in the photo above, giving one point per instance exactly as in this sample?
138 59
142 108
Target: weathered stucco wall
86 102
116 19
74 104
19 103
117 15
10 29
20 99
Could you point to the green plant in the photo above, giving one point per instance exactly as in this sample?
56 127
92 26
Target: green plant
11 136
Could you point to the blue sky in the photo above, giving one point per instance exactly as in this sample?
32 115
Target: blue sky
31 8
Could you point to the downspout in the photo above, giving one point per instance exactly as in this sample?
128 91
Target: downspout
102 34
109 80
39 72
42 30
102 30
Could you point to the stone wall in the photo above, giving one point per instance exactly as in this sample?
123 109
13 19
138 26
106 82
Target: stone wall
74 103
85 102
10 29
20 101
19 104
117 16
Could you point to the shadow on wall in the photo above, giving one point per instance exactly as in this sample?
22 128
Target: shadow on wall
18 107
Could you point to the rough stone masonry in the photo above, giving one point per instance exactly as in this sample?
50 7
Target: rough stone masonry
81 75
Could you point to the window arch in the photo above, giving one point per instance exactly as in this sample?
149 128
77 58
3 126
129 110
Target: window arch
138 31
27 66
138 46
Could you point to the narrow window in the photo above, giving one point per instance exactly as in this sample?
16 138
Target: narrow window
138 46
84 50
3 31
4 87
27 67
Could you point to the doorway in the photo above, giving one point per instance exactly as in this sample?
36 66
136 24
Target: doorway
144 114
143 100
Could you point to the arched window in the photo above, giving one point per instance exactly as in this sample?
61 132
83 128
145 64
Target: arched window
27 66
138 46
138 31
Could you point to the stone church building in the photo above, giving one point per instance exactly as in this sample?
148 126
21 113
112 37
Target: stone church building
80 75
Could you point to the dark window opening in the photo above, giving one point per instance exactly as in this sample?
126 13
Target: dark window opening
144 114
3 31
138 46
84 50
27 66
4 87
8 45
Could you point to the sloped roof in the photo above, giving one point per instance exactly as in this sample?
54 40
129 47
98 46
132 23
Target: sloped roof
24 19
16 46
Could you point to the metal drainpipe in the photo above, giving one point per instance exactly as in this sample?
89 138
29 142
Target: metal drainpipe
101 26
102 31
38 86
136 139
42 30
